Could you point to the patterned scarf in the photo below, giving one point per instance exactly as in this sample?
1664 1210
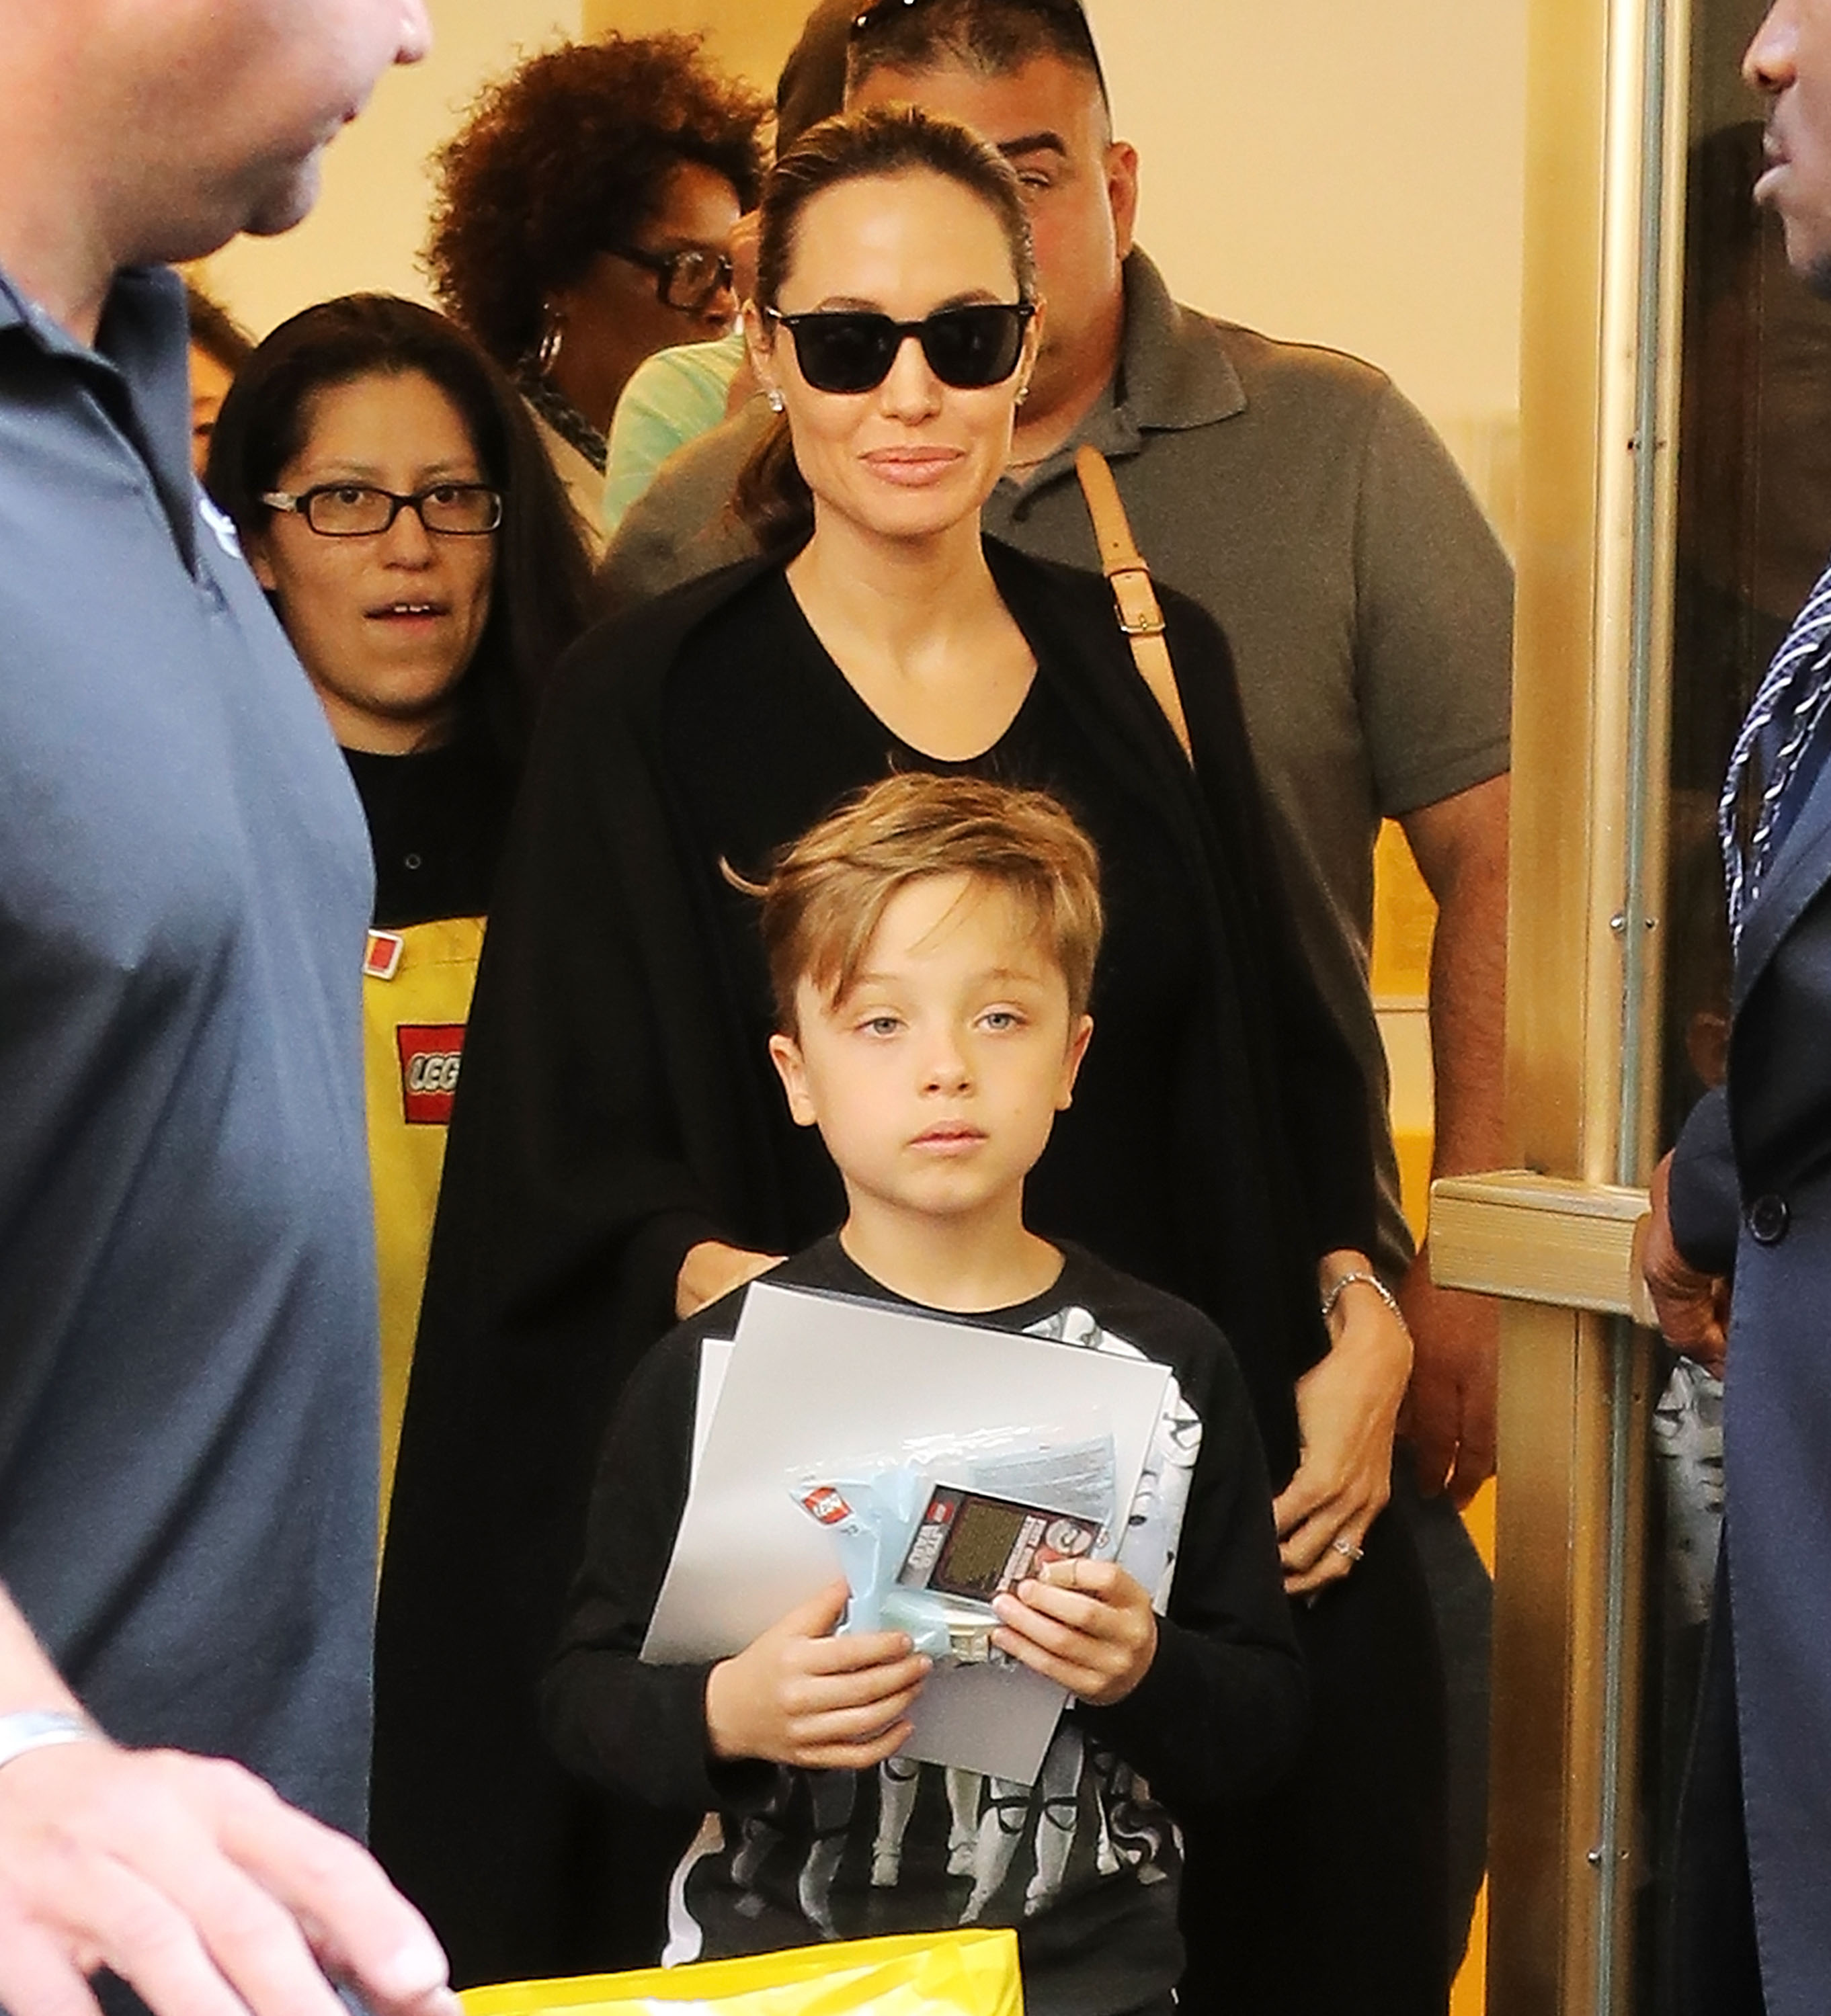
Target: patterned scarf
1787 711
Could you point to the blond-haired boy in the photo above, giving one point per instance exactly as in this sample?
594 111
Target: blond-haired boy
932 947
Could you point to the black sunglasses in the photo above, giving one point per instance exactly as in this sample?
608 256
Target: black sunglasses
686 279
846 350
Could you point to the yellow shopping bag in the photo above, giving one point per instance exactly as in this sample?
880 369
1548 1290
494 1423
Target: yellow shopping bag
959 1974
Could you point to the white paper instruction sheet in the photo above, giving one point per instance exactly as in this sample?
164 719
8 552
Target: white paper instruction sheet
814 1380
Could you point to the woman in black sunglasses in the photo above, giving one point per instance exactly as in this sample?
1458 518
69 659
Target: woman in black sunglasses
621 1156
581 223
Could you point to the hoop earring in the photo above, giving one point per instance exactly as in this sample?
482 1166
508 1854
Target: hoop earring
553 340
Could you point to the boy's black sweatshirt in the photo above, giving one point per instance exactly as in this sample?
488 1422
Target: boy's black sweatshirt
1085 1863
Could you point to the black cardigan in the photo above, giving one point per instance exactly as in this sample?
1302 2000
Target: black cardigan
610 1118
1219 1716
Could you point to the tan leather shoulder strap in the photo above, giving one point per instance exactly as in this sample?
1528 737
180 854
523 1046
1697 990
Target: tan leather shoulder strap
1123 565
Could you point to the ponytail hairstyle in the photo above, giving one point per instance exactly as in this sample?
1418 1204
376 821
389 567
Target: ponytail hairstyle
875 143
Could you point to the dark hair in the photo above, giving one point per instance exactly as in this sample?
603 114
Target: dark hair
812 86
537 602
215 331
565 157
876 142
994 38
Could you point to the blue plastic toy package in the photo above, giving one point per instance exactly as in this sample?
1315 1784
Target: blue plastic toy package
928 1534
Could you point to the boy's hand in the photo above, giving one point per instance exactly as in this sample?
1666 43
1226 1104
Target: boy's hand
798 1695
1087 1625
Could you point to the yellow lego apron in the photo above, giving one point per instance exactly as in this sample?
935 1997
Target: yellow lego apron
416 985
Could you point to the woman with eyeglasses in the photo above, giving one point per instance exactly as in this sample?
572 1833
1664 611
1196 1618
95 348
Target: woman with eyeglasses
581 223
394 500
623 1156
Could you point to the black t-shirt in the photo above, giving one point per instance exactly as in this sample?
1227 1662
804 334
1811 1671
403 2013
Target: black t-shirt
1085 1863
437 819
767 736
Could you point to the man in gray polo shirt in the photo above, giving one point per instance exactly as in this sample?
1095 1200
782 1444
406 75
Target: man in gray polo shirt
187 1351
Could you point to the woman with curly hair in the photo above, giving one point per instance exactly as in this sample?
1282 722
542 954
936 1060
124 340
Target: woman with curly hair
581 223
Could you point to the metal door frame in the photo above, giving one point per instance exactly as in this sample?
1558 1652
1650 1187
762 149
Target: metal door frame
1606 133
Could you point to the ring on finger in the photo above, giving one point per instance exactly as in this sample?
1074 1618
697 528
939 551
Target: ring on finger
1347 1549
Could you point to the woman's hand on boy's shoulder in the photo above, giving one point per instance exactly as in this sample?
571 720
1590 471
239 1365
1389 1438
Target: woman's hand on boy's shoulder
1087 1625
710 1270
798 1695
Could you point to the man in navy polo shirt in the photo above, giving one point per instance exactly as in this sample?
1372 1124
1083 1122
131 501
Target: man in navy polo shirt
187 1377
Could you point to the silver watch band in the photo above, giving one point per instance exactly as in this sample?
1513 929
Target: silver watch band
41 1729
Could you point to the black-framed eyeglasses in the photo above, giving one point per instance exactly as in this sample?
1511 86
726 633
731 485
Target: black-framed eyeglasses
873 15
360 510
686 279
846 350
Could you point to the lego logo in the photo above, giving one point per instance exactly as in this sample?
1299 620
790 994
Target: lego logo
431 1053
826 1504
433 1072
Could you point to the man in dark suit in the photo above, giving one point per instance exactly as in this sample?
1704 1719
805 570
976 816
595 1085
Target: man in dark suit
1746 1198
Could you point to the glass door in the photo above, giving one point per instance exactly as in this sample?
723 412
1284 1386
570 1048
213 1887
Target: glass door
1675 508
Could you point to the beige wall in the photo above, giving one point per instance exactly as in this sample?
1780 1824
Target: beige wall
370 221
1347 174
750 38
